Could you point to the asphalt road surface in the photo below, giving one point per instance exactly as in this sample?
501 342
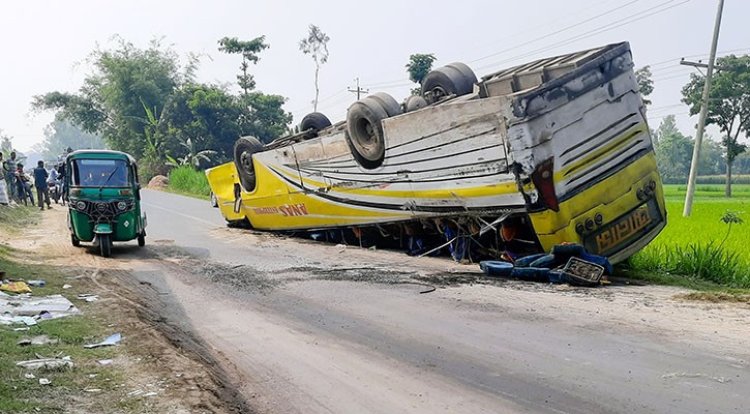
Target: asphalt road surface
316 328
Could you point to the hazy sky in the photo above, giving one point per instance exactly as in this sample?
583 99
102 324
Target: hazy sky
44 44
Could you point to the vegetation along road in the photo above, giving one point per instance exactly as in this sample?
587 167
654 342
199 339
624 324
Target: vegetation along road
287 325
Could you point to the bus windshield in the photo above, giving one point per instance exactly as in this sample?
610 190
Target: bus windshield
101 173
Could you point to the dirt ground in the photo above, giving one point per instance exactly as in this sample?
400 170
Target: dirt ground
298 326
165 368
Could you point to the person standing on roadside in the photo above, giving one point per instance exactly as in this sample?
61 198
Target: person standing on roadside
9 172
23 186
4 196
42 190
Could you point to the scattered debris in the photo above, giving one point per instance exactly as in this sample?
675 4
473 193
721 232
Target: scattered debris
36 283
67 286
37 340
46 363
93 390
111 340
21 329
566 263
150 394
15 287
88 297
105 361
28 309
29 375
44 381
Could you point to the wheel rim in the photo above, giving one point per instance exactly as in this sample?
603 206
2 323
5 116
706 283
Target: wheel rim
367 139
246 160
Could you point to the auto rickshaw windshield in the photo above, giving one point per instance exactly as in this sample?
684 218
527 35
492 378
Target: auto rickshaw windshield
101 173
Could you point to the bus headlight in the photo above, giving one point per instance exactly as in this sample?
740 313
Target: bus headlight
122 206
80 205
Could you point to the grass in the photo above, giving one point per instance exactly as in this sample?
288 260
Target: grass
13 219
186 180
21 394
700 251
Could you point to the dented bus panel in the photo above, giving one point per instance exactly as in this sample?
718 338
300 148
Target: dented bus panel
560 144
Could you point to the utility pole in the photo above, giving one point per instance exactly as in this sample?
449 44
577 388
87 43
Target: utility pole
359 90
702 119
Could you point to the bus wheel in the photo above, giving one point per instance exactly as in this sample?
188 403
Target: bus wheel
414 103
74 240
244 149
315 121
454 79
391 106
364 130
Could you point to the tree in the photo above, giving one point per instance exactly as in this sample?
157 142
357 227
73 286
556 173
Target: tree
728 105
673 151
645 83
193 157
6 144
111 101
61 134
315 45
249 49
418 67
207 115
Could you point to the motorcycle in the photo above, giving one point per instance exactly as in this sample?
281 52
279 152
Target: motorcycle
55 191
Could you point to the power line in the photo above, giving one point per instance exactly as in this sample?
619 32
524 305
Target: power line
601 29
558 31
359 91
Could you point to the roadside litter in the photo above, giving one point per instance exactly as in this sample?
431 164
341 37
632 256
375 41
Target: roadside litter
566 263
105 362
111 340
29 310
67 286
36 283
88 297
15 287
46 363
37 340
44 381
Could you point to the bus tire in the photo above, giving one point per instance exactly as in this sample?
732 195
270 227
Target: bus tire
454 79
244 149
414 103
315 121
387 102
364 132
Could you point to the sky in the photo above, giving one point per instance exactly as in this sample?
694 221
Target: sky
45 44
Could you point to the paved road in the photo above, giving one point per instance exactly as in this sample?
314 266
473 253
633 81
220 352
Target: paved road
315 328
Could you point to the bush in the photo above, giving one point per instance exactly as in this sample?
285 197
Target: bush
185 179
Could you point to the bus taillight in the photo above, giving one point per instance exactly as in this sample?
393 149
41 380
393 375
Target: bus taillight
542 177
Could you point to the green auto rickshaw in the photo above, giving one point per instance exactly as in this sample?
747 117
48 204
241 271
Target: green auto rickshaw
104 199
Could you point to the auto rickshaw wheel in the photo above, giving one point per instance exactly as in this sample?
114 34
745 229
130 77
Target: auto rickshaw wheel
74 241
141 239
105 245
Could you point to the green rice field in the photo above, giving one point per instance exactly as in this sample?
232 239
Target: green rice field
697 247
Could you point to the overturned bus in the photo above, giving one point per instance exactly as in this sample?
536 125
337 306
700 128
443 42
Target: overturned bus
556 150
